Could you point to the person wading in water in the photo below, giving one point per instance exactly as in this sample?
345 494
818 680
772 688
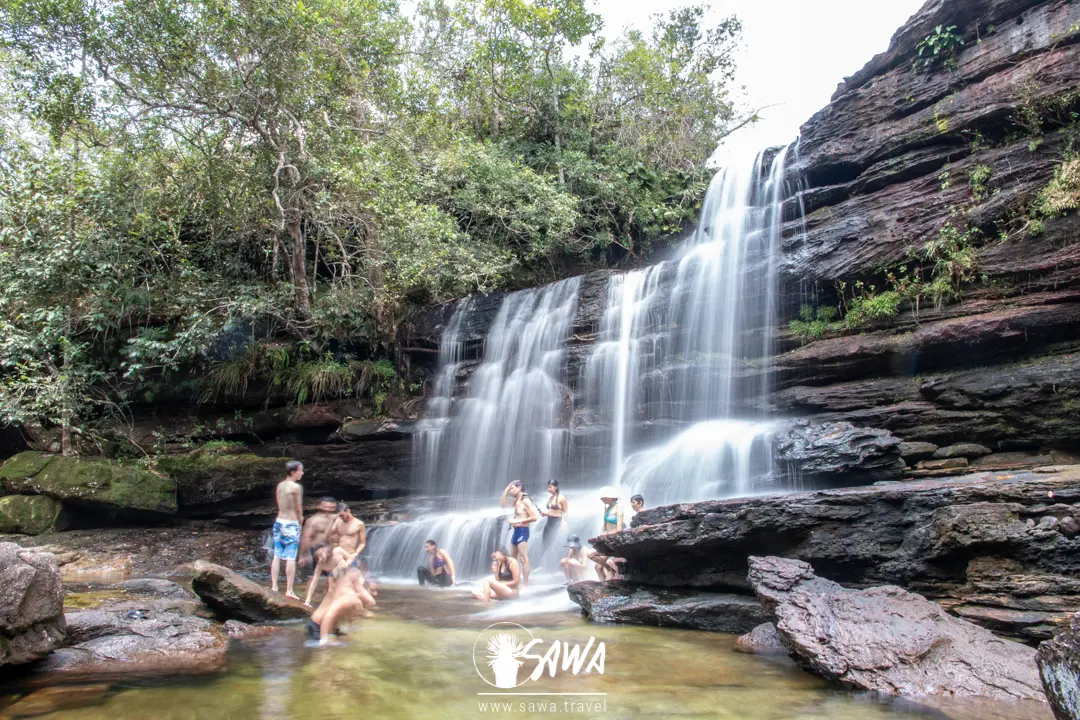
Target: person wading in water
440 569
525 514
327 560
555 511
290 502
351 533
613 522
345 599
504 586
316 529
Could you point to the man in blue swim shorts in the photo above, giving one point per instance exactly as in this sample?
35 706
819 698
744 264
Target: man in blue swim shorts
290 503
525 513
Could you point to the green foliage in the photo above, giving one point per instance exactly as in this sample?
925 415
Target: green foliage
223 446
867 304
938 49
978 177
176 176
813 323
1062 194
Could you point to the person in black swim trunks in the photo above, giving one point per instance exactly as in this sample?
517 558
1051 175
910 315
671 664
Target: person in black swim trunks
504 586
525 514
440 569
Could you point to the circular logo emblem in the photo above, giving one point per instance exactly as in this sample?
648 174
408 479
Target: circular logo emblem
498 655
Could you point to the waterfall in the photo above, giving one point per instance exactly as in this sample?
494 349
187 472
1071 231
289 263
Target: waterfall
681 354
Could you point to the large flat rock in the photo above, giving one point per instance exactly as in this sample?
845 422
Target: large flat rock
622 602
234 595
979 540
888 640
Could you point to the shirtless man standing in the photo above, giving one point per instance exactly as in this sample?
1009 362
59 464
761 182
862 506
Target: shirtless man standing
351 533
525 513
316 529
290 503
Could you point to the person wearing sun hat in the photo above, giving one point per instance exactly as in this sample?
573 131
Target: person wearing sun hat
574 564
613 522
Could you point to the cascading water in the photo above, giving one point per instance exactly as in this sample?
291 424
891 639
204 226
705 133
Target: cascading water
690 364
513 425
681 353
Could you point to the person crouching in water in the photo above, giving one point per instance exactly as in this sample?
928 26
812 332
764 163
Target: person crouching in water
574 564
327 560
613 522
505 584
440 569
346 599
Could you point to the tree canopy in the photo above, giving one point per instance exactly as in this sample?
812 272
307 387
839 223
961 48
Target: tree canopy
182 179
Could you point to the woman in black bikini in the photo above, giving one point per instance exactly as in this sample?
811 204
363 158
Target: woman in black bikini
555 511
440 569
504 586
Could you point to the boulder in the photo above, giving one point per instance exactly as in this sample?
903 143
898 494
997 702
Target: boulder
31 605
125 638
205 478
233 595
888 640
762 640
54 699
962 450
913 452
622 602
1059 669
962 539
237 630
99 484
839 450
32 515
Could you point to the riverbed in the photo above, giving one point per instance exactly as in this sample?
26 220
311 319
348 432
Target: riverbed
415 659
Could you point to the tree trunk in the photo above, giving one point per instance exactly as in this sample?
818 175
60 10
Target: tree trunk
298 266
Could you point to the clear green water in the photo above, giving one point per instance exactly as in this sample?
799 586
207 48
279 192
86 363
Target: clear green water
415 661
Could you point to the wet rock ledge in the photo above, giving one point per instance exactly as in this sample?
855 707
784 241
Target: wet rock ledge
992 548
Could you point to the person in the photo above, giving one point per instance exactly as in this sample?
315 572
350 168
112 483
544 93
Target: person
440 569
316 529
574 564
347 598
637 504
613 522
351 533
555 510
290 503
327 559
507 578
525 514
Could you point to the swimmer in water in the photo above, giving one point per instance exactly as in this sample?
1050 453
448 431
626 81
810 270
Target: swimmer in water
525 514
507 578
347 598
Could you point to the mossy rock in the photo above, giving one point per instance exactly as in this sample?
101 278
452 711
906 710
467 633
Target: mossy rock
106 484
204 478
32 514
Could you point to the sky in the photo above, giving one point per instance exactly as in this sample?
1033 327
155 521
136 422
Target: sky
794 54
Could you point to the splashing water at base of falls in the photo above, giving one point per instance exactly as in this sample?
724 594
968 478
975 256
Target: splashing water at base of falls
664 395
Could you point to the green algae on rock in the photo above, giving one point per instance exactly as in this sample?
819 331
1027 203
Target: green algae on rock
93 482
32 514
204 477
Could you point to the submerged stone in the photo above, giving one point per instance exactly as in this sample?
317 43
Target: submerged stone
762 640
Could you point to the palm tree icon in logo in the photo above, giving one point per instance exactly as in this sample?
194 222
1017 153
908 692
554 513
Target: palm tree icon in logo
504 653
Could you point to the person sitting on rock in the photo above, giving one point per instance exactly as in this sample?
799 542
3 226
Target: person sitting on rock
327 559
507 578
574 564
613 522
440 569
347 599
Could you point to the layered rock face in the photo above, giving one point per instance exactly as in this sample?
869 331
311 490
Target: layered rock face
888 640
1059 669
31 605
999 550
